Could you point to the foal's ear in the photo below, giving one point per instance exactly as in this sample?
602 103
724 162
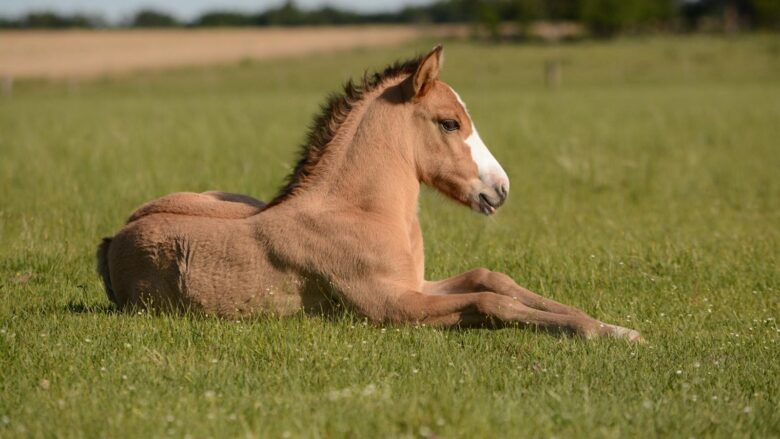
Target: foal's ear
427 72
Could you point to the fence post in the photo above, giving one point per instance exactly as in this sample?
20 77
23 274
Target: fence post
7 86
552 73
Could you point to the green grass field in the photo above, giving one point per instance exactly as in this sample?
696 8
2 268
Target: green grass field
645 190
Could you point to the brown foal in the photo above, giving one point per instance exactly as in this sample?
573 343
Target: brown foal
344 227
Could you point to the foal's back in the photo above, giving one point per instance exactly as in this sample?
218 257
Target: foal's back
212 204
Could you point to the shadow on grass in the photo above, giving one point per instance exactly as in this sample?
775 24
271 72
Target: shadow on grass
334 312
73 307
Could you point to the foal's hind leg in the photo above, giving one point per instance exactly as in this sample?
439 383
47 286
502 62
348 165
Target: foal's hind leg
482 279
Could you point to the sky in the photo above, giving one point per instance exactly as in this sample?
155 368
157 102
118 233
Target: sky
116 10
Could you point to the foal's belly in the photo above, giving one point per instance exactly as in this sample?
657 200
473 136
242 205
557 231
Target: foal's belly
201 264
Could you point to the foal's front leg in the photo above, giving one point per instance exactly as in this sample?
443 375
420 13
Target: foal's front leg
482 279
386 302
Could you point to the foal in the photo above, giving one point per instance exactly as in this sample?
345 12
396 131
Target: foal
345 226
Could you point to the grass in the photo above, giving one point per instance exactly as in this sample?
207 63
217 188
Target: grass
644 191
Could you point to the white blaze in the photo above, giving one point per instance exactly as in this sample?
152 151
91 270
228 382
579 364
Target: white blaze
490 171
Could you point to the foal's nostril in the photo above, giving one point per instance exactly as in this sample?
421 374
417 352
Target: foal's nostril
502 191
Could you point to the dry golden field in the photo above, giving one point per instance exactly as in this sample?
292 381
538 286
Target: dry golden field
84 54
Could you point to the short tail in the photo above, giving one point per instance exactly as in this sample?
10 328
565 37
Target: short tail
102 268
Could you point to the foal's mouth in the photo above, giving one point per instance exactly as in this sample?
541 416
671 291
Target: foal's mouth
488 205
485 206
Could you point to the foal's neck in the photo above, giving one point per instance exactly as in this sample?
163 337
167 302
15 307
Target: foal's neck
368 166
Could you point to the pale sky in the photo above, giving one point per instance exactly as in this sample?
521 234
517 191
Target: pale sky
115 10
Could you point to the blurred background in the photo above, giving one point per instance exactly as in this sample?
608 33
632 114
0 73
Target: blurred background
601 17
235 26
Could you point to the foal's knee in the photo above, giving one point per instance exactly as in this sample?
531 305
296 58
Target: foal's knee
480 278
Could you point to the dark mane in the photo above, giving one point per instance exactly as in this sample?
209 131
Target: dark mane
332 114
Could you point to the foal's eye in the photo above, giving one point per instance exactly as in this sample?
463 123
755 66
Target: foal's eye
449 125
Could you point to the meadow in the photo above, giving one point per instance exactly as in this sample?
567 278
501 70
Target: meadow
645 191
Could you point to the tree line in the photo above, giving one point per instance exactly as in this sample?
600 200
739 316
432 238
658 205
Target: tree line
600 17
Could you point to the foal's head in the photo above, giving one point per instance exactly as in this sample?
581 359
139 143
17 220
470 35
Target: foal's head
449 154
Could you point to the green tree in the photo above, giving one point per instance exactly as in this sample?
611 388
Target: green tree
526 11
51 20
152 18
223 18
490 19
766 13
607 17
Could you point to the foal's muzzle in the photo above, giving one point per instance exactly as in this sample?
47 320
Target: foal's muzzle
491 198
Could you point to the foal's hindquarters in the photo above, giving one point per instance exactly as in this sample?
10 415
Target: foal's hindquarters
210 265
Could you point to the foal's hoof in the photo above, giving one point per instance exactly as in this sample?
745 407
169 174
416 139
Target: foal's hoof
627 334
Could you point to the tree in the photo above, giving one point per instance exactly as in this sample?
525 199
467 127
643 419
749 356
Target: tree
51 20
607 17
152 18
766 13
286 15
223 18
